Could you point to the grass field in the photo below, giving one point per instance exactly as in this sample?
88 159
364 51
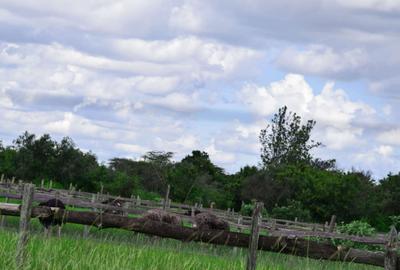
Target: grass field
119 250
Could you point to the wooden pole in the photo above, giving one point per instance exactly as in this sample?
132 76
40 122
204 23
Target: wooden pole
3 218
332 223
390 251
86 228
212 205
166 199
239 222
25 216
126 205
2 178
255 233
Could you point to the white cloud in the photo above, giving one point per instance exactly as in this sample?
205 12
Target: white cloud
385 150
186 18
332 108
390 137
179 102
324 61
131 148
220 157
376 5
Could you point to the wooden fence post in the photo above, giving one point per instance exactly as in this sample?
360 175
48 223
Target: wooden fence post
332 223
166 199
138 200
3 218
239 222
26 211
125 206
212 205
255 233
86 227
2 178
391 252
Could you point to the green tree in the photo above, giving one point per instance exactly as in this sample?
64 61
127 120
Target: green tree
286 140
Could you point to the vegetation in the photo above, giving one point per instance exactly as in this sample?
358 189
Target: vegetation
135 251
290 181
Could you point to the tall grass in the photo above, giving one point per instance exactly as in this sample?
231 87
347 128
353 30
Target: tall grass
136 251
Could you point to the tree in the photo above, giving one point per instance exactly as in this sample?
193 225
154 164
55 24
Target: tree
287 140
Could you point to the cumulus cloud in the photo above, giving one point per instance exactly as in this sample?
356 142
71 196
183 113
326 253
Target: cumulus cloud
129 76
390 137
331 108
324 61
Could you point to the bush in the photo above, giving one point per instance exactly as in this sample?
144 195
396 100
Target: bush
247 209
358 228
293 210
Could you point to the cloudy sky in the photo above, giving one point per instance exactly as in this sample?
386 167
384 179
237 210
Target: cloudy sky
125 77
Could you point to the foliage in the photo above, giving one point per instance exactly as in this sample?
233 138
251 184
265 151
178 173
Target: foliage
358 228
293 210
247 209
287 140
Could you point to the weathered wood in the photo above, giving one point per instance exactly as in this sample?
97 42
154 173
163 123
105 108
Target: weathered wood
2 178
166 198
255 233
25 216
332 223
3 218
390 251
357 239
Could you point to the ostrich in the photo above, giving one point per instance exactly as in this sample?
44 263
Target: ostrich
52 220
209 221
162 216
113 202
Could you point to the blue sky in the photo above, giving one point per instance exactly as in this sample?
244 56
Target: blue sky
125 77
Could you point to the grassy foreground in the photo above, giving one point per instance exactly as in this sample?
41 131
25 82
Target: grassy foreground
141 252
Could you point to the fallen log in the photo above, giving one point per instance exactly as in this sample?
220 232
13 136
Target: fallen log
297 247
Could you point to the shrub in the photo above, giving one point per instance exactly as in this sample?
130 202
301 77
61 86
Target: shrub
247 209
293 210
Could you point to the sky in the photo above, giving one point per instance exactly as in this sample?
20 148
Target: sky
125 77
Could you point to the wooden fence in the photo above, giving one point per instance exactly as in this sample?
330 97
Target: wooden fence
135 205
292 238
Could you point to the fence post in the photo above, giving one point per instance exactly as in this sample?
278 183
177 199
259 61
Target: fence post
166 199
391 252
239 222
212 205
26 211
332 223
86 227
138 200
2 178
255 233
125 206
3 218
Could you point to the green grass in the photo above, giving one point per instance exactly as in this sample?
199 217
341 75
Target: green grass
119 250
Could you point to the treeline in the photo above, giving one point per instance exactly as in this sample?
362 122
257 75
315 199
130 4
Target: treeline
289 180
